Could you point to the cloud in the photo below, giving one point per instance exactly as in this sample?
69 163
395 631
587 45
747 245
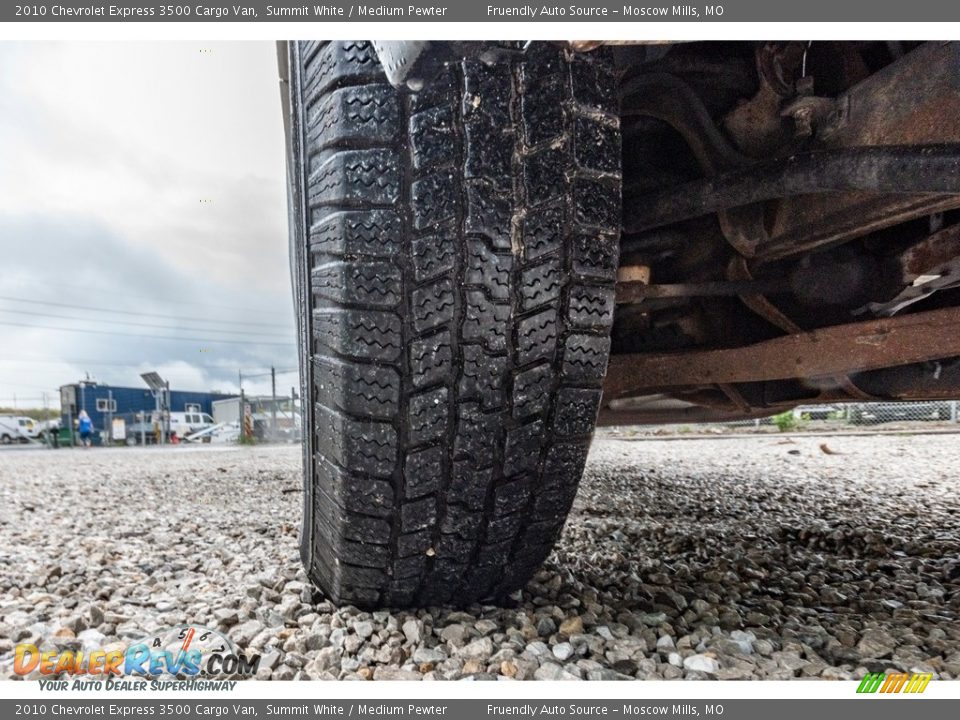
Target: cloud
144 178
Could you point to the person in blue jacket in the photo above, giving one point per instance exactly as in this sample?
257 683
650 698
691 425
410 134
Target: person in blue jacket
85 426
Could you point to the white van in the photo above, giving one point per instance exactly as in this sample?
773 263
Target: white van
184 423
16 428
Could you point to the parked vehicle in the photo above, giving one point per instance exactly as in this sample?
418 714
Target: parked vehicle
42 427
875 413
15 428
816 412
150 425
495 246
184 423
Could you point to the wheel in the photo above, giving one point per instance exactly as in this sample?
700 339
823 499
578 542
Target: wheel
5 439
454 256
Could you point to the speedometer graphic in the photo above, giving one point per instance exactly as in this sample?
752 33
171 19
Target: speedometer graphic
183 651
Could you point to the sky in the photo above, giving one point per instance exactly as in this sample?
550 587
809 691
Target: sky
142 217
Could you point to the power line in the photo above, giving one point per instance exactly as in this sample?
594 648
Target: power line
153 337
135 314
192 303
139 324
107 363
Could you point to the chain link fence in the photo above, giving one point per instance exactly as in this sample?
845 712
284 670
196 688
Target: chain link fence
919 417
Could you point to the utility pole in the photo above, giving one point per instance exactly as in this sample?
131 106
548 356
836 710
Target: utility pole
109 427
273 391
46 421
241 420
165 419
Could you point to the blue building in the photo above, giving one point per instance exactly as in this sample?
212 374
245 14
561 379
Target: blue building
104 401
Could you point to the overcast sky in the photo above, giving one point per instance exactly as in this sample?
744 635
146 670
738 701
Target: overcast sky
146 178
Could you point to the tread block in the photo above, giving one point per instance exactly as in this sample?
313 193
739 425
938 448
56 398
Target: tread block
489 153
456 548
537 337
468 485
364 446
431 359
576 411
564 464
484 267
423 471
434 200
418 514
487 92
350 526
593 84
596 255
363 554
585 357
595 206
542 231
432 305
496 555
482 377
511 495
489 213
338 62
414 543
354 493
359 282
478 434
591 306
541 62
544 173
461 523
531 390
367 334
443 89
541 284
376 233
427 416
485 321
592 140
522 453
355 177
445 577
407 567
542 107
358 389
433 143
433 255
507 526
369 113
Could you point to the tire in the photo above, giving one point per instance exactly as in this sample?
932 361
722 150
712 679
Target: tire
454 254
5 439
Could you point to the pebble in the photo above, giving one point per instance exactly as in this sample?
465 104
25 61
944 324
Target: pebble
701 663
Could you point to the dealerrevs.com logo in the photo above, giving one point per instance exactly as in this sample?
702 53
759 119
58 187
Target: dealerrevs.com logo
173 659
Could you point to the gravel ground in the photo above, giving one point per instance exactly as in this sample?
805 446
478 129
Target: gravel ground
727 558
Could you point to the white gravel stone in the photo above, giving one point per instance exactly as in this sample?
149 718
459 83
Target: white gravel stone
413 631
702 663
